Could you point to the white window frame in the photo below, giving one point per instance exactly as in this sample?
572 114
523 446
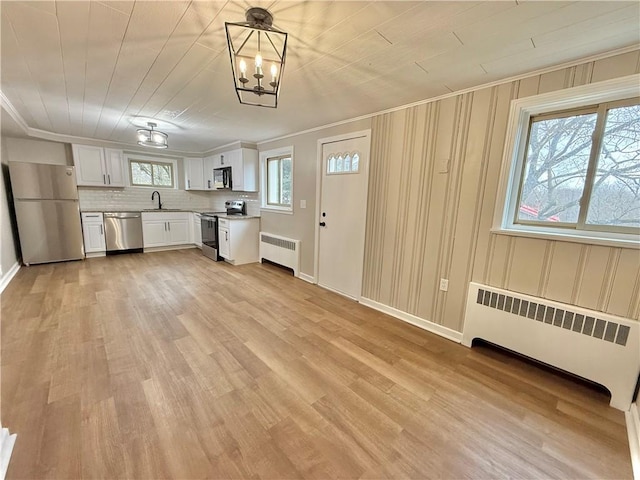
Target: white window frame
264 156
146 158
514 157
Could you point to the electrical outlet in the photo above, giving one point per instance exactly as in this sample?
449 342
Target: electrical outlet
303 204
444 284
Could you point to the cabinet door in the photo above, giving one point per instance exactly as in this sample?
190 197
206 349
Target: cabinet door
197 230
178 232
115 168
224 243
207 172
89 162
217 161
193 174
250 170
93 237
154 233
233 159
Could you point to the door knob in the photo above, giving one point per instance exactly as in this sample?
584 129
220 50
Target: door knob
323 224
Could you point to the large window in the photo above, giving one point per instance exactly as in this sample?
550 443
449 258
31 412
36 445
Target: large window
147 173
574 166
582 169
277 180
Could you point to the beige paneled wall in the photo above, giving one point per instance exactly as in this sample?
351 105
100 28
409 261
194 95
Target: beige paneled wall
434 178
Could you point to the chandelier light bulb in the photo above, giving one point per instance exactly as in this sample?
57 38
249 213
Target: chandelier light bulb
257 51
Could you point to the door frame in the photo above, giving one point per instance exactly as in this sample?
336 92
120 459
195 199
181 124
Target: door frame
319 172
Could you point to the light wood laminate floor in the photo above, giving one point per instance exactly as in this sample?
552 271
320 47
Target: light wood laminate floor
168 365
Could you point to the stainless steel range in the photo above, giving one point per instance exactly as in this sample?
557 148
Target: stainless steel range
209 224
236 207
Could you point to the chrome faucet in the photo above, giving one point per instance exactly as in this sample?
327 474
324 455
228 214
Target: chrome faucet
153 196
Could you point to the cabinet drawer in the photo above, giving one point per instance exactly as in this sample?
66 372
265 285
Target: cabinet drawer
92 217
223 222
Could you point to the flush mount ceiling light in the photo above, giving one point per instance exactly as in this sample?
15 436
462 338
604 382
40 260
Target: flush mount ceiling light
257 52
148 137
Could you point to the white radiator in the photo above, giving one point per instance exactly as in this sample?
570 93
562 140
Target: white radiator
281 250
599 347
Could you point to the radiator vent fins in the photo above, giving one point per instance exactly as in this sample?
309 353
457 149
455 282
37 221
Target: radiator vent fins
557 317
278 242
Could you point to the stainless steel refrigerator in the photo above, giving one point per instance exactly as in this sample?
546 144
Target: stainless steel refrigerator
46 202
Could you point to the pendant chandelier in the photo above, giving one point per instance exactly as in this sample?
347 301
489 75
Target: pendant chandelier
148 137
257 52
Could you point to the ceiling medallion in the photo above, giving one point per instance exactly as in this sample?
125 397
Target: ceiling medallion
148 137
255 46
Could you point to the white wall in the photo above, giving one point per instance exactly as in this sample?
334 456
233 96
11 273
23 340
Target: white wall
301 225
8 239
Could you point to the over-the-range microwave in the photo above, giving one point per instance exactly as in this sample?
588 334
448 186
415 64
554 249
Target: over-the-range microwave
222 178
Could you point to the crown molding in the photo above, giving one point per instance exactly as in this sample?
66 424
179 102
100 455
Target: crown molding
13 113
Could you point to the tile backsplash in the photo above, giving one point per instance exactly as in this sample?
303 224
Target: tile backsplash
106 199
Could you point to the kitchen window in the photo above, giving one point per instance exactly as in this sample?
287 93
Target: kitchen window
277 175
147 173
575 172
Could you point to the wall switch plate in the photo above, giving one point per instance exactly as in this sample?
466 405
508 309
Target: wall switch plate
444 284
303 204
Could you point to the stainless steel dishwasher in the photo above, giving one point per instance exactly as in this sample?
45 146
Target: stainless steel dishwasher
123 232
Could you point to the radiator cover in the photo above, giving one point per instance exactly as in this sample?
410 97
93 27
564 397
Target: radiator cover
599 347
281 250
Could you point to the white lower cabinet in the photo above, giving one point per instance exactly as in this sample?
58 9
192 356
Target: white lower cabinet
238 242
197 229
179 231
93 233
166 229
224 248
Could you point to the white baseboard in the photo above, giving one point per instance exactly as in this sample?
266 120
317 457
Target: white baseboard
413 320
6 278
95 254
633 431
307 278
7 441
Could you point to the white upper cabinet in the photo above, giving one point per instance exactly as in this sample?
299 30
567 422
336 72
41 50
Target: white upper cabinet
115 167
207 167
98 167
244 169
194 174
223 159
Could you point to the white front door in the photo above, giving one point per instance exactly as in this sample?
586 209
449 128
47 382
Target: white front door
343 208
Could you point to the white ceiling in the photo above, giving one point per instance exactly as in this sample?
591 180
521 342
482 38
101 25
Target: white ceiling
86 69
